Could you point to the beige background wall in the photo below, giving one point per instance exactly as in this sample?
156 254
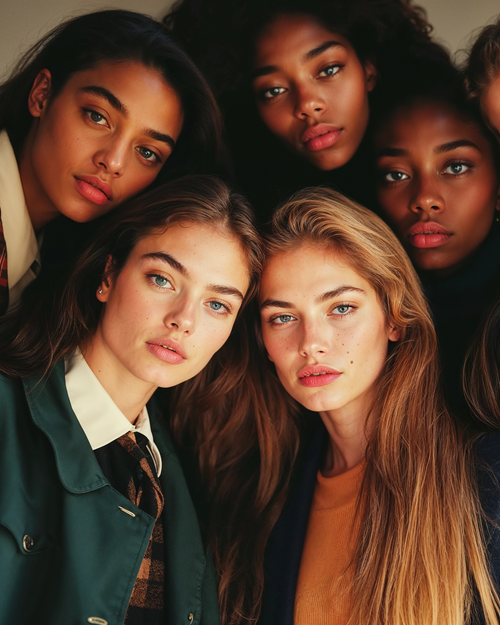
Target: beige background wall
22 22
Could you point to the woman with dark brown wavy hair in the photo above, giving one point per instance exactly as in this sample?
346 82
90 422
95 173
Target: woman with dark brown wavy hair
382 522
96 518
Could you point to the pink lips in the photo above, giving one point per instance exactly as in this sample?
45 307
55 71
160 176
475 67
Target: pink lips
94 189
320 136
428 234
317 375
167 350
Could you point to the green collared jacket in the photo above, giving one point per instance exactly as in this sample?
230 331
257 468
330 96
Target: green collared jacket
70 545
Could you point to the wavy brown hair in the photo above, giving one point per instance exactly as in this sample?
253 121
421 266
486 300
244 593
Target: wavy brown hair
421 555
57 315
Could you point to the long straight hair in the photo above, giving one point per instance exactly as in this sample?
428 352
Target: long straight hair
421 551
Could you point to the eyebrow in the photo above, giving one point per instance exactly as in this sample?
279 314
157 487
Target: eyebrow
102 92
225 290
440 149
453 145
270 69
170 260
270 303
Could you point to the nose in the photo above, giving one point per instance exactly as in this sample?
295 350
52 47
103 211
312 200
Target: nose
427 197
313 341
308 101
181 316
112 157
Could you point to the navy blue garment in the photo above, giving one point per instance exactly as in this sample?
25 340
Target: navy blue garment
285 547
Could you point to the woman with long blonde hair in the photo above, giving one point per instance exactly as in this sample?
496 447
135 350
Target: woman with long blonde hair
383 521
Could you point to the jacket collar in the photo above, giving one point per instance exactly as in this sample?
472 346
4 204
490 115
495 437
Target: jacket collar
51 411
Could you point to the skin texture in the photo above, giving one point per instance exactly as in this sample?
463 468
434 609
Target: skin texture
81 134
188 301
424 178
490 104
316 310
299 83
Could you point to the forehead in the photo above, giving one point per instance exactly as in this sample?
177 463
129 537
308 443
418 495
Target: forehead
202 249
433 122
308 270
295 34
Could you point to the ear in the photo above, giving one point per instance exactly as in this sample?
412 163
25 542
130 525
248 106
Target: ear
38 98
370 75
394 334
105 287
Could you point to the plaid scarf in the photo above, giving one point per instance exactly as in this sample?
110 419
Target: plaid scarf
128 466
4 285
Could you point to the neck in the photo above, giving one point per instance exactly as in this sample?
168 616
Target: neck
40 209
128 392
348 434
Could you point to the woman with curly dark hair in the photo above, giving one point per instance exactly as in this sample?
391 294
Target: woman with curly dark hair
296 79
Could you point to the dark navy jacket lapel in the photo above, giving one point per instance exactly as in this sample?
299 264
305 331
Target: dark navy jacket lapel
287 541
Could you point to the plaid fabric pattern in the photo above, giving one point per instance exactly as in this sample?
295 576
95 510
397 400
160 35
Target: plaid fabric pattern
128 466
4 286
146 603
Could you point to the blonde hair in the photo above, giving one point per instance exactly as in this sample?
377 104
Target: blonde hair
421 550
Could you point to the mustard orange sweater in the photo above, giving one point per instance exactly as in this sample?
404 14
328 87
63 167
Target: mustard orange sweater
325 581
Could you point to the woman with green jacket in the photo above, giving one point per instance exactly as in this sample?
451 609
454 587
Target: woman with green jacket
96 521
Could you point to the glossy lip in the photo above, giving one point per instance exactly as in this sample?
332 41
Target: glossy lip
94 189
425 234
308 376
162 349
320 136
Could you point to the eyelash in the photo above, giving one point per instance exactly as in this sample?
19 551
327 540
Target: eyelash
89 112
465 164
468 166
337 66
348 313
274 320
263 96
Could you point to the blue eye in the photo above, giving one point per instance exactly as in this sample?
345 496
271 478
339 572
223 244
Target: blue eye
218 306
280 319
343 309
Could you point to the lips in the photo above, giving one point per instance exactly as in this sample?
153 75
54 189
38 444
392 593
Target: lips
317 375
428 234
94 189
168 350
320 136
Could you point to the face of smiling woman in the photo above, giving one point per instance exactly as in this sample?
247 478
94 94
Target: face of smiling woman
312 90
324 330
169 310
100 141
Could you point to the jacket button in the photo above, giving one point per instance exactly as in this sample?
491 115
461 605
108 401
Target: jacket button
190 617
28 543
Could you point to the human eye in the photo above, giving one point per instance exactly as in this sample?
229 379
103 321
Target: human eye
160 281
279 320
331 70
456 168
395 176
343 310
149 155
272 92
96 117
219 307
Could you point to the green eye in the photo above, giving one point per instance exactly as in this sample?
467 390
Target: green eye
161 281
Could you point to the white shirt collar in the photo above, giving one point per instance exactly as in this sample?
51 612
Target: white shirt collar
100 418
22 245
